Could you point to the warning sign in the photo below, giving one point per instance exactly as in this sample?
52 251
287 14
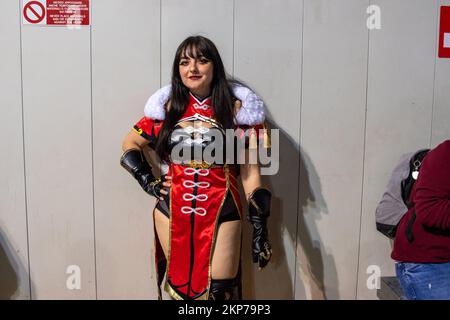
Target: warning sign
56 12
68 12
34 12
444 33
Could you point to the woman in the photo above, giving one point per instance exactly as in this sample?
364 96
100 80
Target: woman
198 215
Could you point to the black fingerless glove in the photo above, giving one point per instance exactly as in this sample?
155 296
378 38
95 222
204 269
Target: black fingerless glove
259 211
134 162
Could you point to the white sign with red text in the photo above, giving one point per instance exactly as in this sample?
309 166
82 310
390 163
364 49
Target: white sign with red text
55 12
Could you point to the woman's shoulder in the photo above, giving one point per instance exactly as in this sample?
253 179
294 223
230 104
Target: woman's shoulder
156 105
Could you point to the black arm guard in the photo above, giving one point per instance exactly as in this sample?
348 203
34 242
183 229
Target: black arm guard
259 211
134 162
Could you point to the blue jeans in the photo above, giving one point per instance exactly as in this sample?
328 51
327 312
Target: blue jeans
424 281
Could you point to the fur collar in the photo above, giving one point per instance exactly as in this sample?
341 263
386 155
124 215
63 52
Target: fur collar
250 113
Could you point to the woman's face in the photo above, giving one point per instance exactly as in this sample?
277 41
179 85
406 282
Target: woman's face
196 74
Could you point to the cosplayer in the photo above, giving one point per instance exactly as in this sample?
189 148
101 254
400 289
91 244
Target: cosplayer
198 214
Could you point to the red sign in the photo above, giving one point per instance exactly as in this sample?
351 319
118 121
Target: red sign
34 12
56 12
67 12
444 33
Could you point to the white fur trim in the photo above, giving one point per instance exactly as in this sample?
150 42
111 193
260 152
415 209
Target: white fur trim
250 113
252 108
154 108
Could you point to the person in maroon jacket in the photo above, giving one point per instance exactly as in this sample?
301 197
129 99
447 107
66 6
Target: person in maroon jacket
422 242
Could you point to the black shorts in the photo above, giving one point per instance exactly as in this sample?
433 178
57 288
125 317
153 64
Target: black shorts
229 210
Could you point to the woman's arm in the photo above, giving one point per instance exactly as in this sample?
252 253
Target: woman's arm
133 141
251 178
250 175
258 199
134 162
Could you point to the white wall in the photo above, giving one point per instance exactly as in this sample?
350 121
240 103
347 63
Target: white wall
348 102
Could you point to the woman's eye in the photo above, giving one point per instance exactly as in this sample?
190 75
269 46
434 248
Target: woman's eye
204 61
183 63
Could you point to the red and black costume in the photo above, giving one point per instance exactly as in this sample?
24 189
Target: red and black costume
202 196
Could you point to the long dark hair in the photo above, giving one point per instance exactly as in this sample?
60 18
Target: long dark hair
221 93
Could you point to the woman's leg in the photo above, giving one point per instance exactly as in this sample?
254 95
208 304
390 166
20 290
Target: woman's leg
225 261
162 229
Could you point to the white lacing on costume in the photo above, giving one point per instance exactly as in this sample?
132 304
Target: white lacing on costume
202 107
190 184
190 141
191 129
201 171
190 197
197 211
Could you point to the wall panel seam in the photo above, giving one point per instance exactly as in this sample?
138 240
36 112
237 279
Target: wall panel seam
23 151
434 74
160 43
302 14
92 156
363 160
232 42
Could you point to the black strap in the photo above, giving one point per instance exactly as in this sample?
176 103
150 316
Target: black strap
409 227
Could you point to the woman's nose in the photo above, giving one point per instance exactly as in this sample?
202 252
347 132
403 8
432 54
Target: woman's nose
193 67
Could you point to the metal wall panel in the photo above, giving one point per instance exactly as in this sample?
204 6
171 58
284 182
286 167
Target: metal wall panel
125 72
399 107
267 56
180 19
332 141
58 159
14 276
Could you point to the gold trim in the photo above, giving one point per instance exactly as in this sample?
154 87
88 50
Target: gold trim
171 291
235 179
170 239
234 187
253 139
138 131
267 139
199 164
